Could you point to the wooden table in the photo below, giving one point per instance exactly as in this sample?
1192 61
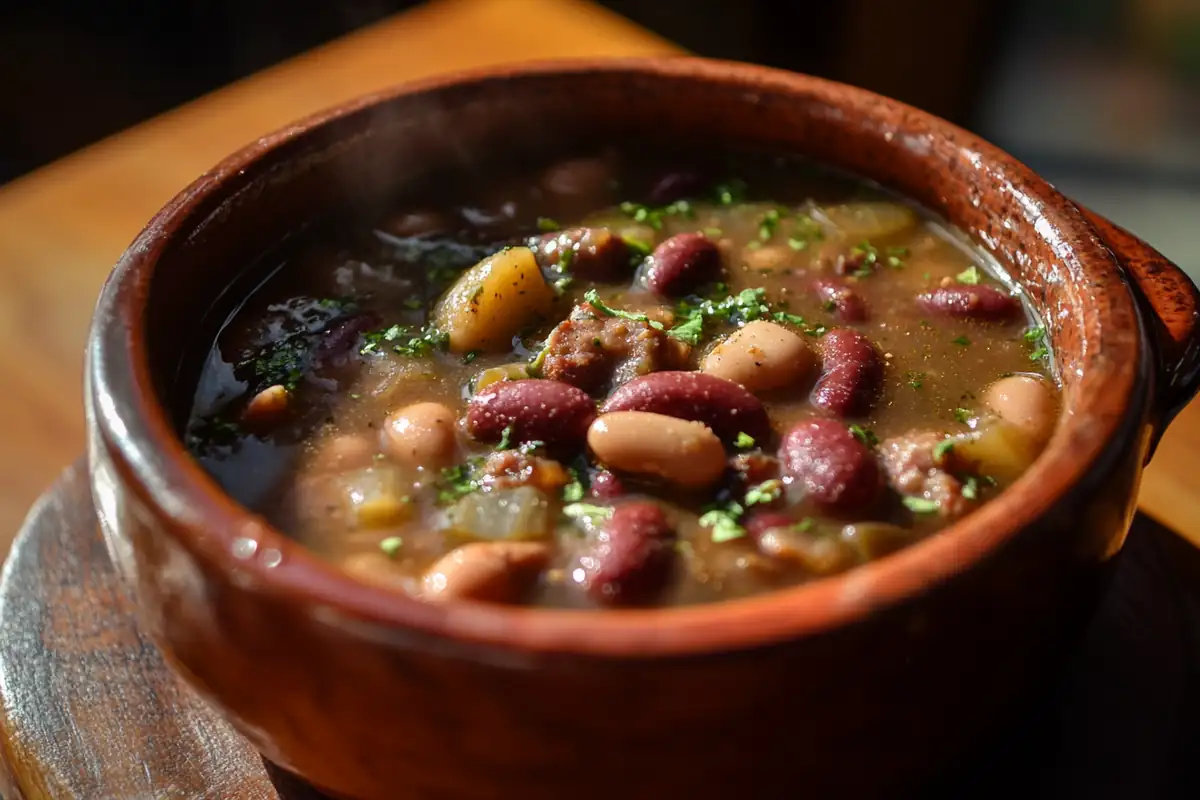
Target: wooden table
62 227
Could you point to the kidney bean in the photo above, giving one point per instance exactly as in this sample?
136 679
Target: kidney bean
679 451
537 410
596 254
606 486
673 186
836 469
632 556
848 304
759 522
682 263
853 372
724 406
498 572
421 435
760 356
970 302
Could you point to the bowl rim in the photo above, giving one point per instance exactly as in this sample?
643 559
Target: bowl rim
135 431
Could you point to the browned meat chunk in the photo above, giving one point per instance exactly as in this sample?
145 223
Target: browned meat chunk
591 350
508 469
914 470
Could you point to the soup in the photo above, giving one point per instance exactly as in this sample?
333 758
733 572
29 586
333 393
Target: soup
601 383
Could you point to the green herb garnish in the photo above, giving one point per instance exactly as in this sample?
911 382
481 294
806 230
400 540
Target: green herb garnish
548 225
587 511
764 493
942 449
391 546
921 505
915 379
864 435
961 341
744 441
768 224
962 415
593 299
724 523
969 276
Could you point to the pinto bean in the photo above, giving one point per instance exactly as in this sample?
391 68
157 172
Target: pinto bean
606 486
970 302
682 452
847 303
760 356
421 435
347 451
632 556
853 372
537 410
725 407
682 263
498 572
267 407
596 254
1024 401
836 470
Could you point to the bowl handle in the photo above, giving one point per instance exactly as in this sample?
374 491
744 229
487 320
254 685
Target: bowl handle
1171 306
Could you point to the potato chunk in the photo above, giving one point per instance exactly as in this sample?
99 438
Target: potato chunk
494 300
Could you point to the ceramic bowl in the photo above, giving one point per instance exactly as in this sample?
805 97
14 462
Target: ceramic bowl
856 685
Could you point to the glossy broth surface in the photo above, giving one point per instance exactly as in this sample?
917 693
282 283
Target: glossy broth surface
315 405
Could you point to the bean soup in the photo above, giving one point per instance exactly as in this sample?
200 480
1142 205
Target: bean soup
603 383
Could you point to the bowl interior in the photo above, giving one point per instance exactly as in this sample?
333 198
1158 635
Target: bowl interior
357 156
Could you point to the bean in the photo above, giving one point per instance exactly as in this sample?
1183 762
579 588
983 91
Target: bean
848 304
673 186
853 372
970 302
587 178
835 469
421 435
678 451
536 410
1026 402
725 407
267 407
632 556
758 523
606 486
760 356
682 263
498 572
347 451
596 254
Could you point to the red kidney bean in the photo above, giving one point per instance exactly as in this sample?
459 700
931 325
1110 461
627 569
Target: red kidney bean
759 522
851 376
633 555
597 254
835 468
537 410
722 405
848 304
606 486
970 302
673 186
682 263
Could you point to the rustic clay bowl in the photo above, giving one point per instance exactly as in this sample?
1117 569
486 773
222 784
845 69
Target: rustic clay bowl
858 684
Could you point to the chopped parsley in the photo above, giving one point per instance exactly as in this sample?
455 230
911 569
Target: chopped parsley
573 491
561 285
962 415
864 435
961 341
593 514
896 256
816 332
639 248
793 319
969 276
1036 337
690 330
915 378
797 244
941 450
654 216
713 233
744 441
724 523
768 224
921 505
391 546
867 256
593 299
535 366
505 438
406 341
470 356
804 525
730 192
970 489
459 480
764 493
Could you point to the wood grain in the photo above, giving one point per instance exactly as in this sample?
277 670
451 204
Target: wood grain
62 227
89 710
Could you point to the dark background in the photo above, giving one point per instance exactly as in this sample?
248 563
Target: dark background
1102 96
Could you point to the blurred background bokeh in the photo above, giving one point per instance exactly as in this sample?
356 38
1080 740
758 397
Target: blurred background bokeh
1101 96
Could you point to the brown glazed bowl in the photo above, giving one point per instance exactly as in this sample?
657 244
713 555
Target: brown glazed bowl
862 684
